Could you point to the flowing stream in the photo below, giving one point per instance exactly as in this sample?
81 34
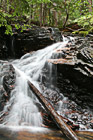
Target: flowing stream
23 102
23 107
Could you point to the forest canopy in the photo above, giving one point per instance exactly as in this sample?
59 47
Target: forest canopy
57 13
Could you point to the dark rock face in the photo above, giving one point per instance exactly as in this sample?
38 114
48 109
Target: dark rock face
7 82
75 75
29 40
34 39
3 47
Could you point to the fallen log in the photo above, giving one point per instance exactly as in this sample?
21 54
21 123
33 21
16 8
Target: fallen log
48 122
66 130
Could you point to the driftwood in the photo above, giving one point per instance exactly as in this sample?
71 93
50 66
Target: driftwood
57 118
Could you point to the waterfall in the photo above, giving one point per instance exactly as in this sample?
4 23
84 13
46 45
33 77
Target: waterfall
35 67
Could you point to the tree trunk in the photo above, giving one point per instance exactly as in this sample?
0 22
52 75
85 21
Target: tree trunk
55 18
49 14
67 14
41 13
31 13
44 14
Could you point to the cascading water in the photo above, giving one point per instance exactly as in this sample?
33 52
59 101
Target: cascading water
23 110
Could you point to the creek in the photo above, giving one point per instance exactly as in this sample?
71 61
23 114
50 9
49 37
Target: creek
23 108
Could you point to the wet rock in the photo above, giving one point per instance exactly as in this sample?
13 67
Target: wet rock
4 69
34 39
29 40
79 71
9 80
3 96
52 96
74 117
5 44
3 47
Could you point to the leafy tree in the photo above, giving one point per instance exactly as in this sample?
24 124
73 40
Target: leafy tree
59 13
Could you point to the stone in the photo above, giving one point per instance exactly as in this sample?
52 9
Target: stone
79 71
29 40
9 80
35 39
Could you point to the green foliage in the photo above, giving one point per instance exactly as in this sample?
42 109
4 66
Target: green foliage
54 13
86 22
4 22
8 29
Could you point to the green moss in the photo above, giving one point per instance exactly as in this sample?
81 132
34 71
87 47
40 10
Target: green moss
83 33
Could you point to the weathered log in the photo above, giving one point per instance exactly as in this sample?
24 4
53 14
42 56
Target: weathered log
57 119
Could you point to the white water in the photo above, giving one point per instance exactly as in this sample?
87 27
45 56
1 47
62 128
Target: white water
30 66
22 107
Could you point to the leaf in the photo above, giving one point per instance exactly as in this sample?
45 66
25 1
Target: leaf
17 26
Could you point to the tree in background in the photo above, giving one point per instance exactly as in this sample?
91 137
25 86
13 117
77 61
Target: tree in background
90 5
58 13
